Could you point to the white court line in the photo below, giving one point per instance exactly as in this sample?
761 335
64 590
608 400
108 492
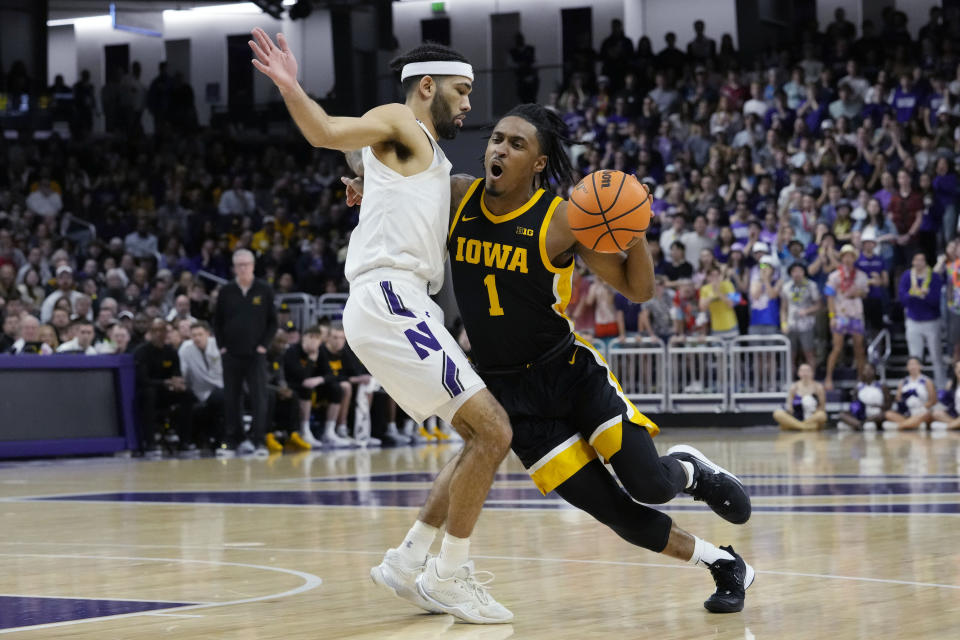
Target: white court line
655 565
310 581
30 595
787 509
172 615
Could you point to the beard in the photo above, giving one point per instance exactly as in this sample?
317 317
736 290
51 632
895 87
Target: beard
442 116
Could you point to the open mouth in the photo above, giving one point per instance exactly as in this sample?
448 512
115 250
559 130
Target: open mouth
496 170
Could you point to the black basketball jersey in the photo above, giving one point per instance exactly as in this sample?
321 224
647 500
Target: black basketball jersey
511 297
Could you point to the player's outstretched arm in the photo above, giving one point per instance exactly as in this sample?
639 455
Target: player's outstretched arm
380 124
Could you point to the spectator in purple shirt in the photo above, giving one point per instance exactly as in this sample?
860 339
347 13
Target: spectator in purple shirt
873 265
945 191
905 100
920 292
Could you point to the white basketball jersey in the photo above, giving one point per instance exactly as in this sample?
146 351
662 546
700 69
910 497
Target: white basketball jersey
404 220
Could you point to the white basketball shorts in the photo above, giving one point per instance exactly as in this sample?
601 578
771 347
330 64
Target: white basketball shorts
397 332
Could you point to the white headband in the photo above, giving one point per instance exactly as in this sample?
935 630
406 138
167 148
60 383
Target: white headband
436 68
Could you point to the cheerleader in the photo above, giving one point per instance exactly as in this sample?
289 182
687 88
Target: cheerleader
806 404
915 397
948 417
869 402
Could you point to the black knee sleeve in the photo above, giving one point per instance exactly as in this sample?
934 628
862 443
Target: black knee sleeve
646 475
594 490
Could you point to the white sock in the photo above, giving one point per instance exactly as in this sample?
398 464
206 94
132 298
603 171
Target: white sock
417 543
453 555
704 553
688 467
391 427
329 428
305 428
342 430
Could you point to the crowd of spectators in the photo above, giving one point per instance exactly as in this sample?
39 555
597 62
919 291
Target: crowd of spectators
799 191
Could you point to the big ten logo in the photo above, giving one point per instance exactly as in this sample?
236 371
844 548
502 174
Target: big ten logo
524 231
605 179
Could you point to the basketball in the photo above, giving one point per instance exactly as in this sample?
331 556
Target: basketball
608 209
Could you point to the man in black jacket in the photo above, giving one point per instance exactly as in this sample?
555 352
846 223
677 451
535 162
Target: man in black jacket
309 375
160 385
244 323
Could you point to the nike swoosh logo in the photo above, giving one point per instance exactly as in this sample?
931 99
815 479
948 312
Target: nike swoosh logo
574 356
468 219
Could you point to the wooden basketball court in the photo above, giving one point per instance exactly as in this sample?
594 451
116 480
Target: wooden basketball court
852 536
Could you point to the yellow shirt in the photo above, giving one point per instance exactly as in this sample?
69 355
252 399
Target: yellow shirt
722 316
262 242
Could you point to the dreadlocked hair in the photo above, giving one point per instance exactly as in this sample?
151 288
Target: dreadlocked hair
552 134
427 52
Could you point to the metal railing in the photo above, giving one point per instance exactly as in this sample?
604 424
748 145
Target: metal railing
301 306
640 365
878 352
697 373
331 305
761 369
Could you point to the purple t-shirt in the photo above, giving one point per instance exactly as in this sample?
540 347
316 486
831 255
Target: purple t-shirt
905 103
873 264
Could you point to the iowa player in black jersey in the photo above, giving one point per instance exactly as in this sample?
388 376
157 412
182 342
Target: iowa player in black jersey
512 257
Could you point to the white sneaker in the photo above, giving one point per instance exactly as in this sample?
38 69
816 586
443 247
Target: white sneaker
890 425
462 595
246 448
843 426
370 442
261 452
334 441
310 439
394 575
937 425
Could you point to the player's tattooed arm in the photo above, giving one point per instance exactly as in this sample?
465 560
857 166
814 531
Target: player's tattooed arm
459 184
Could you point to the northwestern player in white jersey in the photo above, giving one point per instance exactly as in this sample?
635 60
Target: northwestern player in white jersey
394 262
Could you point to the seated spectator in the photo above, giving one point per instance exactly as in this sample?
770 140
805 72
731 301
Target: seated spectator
65 289
160 385
656 319
718 297
765 298
181 310
915 397
628 317
697 241
49 336
31 291
202 369
947 414
806 404
678 269
30 341
870 401
174 337
920 292
684 311
601 297
846 287
10 333
82 340
309 375
799 305
283 410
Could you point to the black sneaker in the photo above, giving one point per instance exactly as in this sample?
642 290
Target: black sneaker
721 490
733 578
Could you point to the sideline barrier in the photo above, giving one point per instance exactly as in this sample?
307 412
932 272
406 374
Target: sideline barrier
302 308
641 367
697 374
761 371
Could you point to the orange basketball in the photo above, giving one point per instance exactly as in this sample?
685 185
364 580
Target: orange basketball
608 209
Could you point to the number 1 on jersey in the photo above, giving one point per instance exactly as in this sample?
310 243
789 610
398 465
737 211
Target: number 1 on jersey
495 308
